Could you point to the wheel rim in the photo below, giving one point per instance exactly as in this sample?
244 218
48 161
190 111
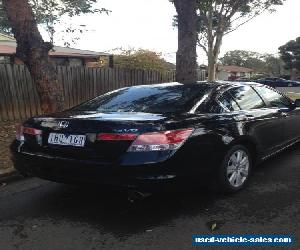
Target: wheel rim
238 168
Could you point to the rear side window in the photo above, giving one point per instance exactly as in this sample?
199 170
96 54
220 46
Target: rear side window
220 103
273 98
247 98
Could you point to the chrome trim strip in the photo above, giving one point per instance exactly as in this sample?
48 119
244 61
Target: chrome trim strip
193 110
280 150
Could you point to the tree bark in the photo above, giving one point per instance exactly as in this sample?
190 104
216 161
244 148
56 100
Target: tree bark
210 47
294 74
214 46
33 51
213 55
186 57
212 67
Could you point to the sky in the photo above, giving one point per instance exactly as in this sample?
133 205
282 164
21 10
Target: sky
147 24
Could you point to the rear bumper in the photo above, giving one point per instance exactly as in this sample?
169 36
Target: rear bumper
71 171
152 178
165 175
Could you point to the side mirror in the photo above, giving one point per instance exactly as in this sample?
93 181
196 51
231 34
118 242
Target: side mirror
297 103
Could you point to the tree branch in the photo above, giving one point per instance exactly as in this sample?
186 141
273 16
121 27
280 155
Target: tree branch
202 46
246 21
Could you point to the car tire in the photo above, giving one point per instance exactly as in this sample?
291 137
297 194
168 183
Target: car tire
234 172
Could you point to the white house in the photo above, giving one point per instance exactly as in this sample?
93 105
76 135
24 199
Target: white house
59 55
231 72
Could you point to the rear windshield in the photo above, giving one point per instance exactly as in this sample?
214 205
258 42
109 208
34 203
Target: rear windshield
158 99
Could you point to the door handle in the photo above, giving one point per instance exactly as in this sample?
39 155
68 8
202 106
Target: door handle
249 117
244 117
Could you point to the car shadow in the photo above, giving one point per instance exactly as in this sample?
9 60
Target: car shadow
111 211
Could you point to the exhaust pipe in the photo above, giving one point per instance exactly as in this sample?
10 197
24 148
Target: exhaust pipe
135 195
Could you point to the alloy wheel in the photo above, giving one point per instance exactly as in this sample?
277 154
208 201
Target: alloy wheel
238 168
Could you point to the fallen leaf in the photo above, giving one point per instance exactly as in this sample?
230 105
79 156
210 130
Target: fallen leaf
213 226
2 185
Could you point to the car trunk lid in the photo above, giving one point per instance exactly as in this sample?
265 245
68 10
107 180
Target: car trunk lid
90 125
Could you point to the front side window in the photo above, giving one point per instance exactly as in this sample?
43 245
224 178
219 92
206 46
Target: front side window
273 98
246 98
227 101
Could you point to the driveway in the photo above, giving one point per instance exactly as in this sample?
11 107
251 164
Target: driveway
36 214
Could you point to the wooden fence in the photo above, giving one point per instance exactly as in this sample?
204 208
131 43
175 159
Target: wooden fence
19 99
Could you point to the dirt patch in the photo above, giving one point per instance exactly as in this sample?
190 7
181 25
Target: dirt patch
7 134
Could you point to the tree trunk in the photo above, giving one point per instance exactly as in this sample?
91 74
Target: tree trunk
212 68
186 57
213 55
294 74
33 51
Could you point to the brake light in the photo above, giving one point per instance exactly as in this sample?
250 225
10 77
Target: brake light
31 131
160 141
26 130
116 137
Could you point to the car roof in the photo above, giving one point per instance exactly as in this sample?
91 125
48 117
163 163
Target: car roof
236 83
211 84
229 83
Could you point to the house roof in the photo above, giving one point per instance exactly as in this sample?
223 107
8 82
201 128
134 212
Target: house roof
70 52
8 47
234 69
6 37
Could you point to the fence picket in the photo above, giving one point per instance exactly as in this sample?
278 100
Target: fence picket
19 99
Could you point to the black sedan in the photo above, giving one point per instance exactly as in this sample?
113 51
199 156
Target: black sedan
275 82
159 136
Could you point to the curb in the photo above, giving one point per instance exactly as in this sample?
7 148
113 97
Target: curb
10 177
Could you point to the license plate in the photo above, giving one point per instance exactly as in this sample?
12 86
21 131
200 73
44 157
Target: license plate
67 140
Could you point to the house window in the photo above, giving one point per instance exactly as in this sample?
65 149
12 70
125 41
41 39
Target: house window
75 62
60 61
5 60
65 61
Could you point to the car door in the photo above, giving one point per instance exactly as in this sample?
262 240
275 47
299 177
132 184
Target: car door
263 123
290 114
292 124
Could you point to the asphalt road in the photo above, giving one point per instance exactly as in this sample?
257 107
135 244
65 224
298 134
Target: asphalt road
36 214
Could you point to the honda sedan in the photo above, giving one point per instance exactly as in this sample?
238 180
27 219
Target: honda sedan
158 136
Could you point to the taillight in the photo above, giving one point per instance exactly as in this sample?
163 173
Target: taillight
116 137
26 130
160 141
31 131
